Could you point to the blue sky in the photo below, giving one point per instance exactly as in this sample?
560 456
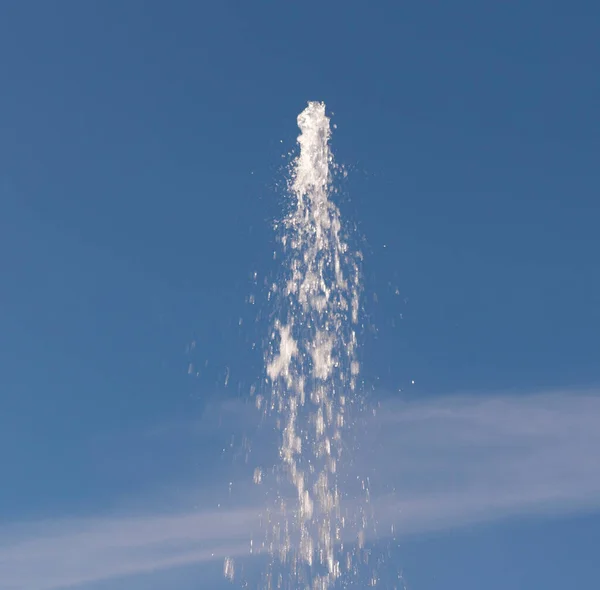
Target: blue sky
142 155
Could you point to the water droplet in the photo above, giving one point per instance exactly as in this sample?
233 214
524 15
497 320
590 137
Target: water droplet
229 569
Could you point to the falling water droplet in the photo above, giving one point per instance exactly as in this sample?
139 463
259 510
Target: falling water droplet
229 569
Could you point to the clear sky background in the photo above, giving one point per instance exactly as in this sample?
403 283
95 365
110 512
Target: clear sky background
142 155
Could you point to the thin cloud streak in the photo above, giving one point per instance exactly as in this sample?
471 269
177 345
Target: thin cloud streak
434 464
71 553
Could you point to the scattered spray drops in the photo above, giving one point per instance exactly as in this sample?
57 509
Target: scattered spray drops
311 364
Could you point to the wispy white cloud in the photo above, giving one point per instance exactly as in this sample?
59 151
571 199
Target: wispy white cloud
57 554
433 464
468 459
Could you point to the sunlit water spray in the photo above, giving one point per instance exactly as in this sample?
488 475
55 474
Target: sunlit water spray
319 510
312 367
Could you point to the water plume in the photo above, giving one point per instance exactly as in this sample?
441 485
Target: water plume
311 365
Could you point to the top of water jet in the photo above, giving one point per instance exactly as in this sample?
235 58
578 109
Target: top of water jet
311 173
